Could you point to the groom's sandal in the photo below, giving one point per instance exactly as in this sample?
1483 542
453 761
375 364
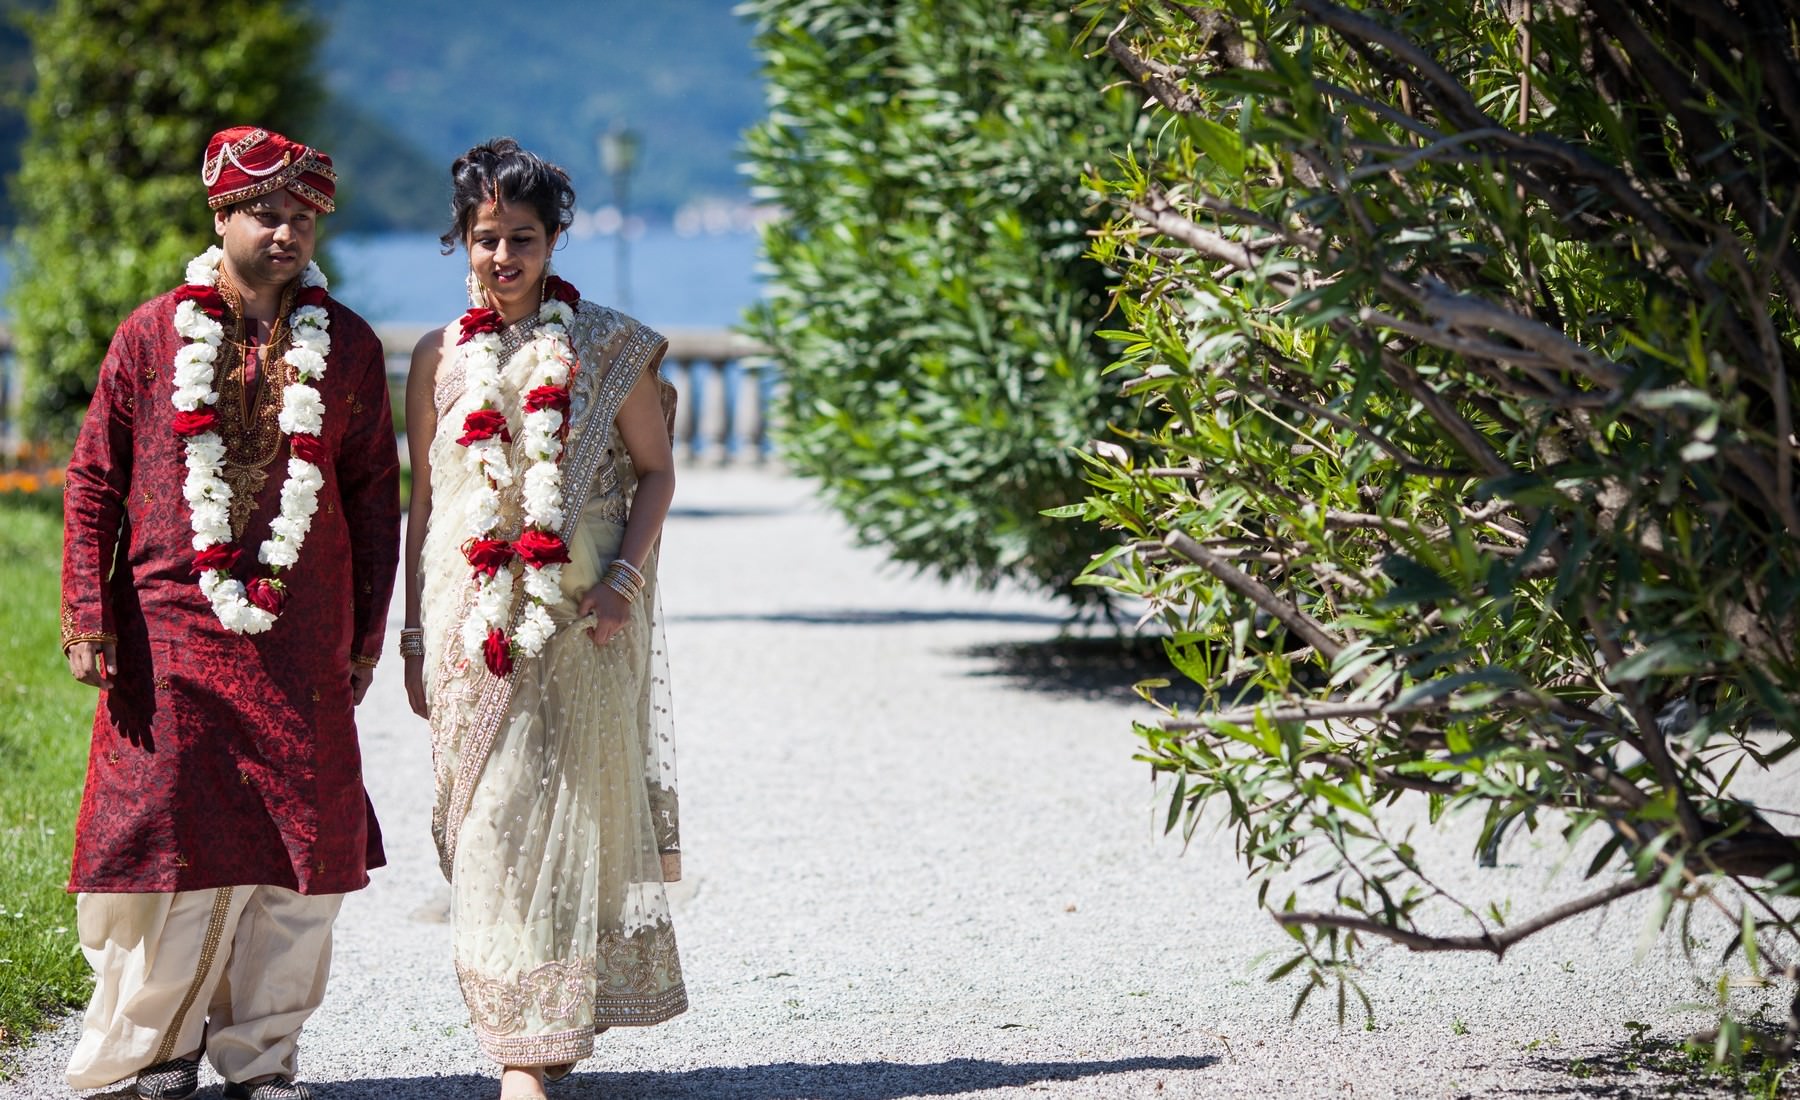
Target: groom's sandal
557 1073
176 1079
277 1087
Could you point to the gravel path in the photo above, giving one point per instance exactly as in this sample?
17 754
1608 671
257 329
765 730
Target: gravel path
922 863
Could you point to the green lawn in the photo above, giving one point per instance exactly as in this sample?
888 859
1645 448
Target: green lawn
44 722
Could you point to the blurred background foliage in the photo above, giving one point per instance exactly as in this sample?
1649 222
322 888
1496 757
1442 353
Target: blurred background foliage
398 104
127 93
1467 342
123 95
930 306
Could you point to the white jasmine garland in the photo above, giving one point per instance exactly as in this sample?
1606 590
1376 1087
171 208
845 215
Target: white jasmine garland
302 413
306 361
302 410
535 628
541 585
547 359
543 494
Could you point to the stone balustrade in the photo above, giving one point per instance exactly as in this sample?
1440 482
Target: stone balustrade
724 378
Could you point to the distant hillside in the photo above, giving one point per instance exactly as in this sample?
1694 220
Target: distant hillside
556 75
416 82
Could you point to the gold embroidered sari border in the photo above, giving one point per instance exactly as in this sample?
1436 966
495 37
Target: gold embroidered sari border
573 1045
584 467
640 1011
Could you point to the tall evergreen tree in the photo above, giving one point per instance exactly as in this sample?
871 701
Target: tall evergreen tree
108 189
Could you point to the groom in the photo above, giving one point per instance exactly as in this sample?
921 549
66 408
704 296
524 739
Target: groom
231 532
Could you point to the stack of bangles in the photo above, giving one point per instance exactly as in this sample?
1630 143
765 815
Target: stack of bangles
623 577
412 641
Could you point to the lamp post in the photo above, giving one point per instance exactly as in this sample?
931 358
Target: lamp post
618 155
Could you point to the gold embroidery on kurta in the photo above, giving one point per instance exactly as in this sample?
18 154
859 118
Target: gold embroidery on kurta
250 422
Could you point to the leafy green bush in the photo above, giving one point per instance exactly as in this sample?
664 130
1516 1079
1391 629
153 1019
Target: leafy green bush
109 196
930 309
1468 339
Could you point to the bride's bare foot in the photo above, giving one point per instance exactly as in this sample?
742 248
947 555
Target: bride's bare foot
522 1083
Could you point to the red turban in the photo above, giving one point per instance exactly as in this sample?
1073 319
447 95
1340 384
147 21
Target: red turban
246 162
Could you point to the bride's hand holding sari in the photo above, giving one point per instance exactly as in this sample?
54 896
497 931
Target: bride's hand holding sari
608 609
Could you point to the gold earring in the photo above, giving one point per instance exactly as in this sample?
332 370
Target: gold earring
478 296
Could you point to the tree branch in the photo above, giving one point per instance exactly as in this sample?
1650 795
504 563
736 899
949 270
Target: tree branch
1304 626
1496 942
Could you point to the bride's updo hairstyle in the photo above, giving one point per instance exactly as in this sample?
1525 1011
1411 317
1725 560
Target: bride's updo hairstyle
499 169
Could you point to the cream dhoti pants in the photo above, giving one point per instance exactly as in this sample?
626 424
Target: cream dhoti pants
240 968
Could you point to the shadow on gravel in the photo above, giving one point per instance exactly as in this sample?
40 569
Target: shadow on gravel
851 616
780 1081
1085 668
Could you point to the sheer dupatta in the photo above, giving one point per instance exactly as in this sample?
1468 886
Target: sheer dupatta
556 789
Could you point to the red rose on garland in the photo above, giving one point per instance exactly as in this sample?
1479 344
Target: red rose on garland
218 556
197 422
488 556
266 594
208 299
484 424
311 296
541 548
558 288
497 652
307 448
548 397
478 321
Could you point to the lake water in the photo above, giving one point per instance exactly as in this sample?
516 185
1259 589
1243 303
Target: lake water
675 281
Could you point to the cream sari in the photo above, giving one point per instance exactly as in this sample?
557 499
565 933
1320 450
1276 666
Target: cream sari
555 785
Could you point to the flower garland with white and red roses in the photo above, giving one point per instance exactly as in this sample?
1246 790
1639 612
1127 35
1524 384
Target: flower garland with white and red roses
252 608
549 363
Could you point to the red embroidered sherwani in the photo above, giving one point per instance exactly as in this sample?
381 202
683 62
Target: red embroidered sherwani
221 759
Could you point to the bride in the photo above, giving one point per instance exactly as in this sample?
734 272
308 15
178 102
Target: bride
539 431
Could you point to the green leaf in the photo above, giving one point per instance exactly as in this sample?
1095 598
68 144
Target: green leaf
1220 143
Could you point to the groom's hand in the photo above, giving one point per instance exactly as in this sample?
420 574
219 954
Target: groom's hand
94 663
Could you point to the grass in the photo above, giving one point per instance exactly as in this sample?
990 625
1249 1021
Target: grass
44 721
